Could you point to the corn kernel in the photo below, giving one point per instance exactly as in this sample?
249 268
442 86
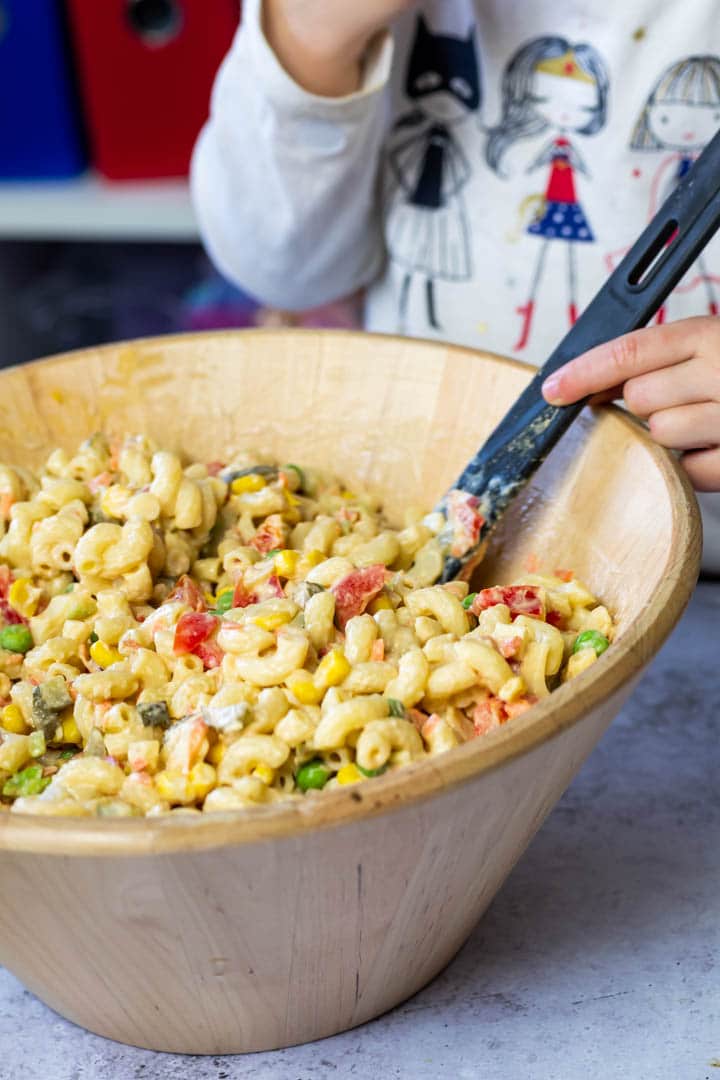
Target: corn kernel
314 557
292 500
264 773
333 669
349 774
201 780
286 562
380 603
272 620
216 753
301 686
171 786
23 597
245 485
13 720
71 732
209 599
104 655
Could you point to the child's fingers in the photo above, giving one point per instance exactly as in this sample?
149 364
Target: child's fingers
682 384
687 427
703 468
622 359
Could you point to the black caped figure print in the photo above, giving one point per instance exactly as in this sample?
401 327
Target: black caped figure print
427 229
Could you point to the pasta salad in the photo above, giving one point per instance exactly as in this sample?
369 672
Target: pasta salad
178 638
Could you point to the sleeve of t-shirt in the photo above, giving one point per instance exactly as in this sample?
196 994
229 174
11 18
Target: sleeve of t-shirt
284 182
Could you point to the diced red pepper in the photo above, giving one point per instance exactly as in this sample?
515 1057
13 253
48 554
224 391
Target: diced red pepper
465 520
210 653
6 580
188 592
521 599
8 615
270 535
193 629
354 592
243 598
555 618
488 715
274 587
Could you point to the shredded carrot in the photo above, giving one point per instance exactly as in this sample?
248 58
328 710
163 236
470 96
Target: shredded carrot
102 480
6 503
378 650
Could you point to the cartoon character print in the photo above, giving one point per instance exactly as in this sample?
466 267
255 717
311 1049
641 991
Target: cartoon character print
681 115
427 231
551 87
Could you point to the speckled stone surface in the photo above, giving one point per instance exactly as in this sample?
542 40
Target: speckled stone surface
599 959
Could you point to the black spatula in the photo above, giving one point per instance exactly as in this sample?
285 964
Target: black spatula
629 298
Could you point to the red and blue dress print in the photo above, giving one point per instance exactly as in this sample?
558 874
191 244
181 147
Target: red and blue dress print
563 218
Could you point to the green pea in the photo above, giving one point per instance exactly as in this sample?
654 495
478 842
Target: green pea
224 602
29 781
591 639
313 774
93 637
272 554
467 602
373 772
16 639
396 708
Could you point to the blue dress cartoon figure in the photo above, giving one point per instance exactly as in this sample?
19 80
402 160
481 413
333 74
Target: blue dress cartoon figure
681 115
427 230
550 86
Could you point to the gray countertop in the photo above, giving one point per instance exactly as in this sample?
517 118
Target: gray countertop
598 959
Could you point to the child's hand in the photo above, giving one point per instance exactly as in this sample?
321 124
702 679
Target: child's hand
321 43
668 375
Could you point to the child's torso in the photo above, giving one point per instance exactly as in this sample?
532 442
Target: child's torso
529 145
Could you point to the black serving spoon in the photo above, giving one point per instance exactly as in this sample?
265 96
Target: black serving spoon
667 248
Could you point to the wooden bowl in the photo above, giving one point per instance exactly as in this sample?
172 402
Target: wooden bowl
283 924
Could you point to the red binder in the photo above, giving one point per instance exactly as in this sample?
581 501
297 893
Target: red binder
146 70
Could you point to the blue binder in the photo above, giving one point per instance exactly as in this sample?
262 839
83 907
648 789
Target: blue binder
40 126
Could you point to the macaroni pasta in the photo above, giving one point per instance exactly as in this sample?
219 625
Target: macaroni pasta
181 638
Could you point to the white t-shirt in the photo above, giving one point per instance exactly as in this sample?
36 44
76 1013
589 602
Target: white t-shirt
494 167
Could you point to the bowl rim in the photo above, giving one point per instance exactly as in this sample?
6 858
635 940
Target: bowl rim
421 781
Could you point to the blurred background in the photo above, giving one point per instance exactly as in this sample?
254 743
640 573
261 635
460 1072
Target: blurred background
100 104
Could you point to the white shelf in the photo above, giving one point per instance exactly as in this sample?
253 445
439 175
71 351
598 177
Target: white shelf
90 208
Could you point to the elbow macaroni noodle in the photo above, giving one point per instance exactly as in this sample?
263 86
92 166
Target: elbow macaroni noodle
181 638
